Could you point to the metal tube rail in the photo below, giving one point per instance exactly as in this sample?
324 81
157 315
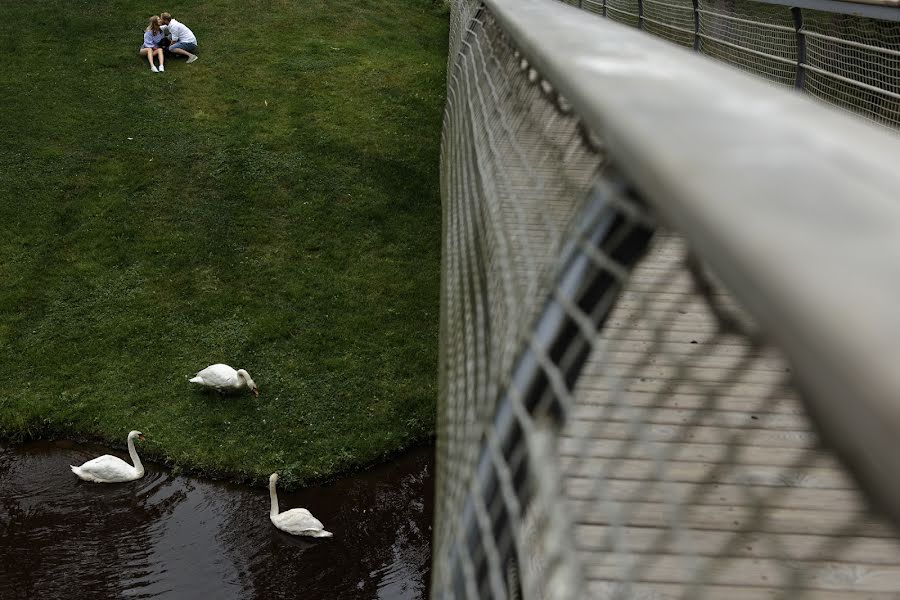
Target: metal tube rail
721 15
884 12
848 81
776 58
836 40
793 205
669 26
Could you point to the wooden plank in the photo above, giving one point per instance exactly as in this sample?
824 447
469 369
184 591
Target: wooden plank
681 416
697 374
704 453
652 318
817 575
677 298
726 518
763 476
809 548
692 354
670 388
614 347
626 491
684 400
611 590
629 352
576 428
648 333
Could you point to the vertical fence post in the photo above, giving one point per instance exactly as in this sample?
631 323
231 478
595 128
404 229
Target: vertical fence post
800 78
640 14
696 5
604 8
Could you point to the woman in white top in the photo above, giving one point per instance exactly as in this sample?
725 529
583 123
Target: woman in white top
151 48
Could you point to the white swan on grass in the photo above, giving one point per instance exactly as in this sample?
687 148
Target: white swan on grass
112 469
297 521
223 378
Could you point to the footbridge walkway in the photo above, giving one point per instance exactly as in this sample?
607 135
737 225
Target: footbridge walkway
670 355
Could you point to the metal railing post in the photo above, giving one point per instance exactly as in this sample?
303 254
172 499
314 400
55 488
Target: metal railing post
640 14
800 78
696 5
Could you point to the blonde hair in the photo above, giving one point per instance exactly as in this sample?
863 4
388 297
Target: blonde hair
154 25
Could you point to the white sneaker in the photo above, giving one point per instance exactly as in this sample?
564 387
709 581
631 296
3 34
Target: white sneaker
162 68
154 69
192 58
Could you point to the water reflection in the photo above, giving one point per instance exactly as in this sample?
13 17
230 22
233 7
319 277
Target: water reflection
178 537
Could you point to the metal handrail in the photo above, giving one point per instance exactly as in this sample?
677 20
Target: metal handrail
793 205
883 10
876 9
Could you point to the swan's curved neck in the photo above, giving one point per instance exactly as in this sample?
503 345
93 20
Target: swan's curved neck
274 497
134 457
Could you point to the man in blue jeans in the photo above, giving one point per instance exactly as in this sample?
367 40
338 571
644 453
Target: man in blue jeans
183 40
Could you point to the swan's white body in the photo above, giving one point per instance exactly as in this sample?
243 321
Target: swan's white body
223 378
112 469
297 521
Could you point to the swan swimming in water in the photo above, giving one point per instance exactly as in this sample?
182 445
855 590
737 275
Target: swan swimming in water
297 521
112 469
223 378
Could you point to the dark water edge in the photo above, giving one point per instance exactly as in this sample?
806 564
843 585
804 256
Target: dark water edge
168 536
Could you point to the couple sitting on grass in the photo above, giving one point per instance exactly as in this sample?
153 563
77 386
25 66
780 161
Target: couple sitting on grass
165 33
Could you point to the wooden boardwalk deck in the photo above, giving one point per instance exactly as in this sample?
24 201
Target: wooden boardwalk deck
692 471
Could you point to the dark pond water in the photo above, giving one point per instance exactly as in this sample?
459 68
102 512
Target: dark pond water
168 536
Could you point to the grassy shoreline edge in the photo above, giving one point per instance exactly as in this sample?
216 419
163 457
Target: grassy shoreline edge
148 455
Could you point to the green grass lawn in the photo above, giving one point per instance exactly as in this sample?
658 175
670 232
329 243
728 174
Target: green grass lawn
273 206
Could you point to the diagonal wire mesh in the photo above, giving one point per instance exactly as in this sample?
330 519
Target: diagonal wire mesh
508 210
611 423
505 211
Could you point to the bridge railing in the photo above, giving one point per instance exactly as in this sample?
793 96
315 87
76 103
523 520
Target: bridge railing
570 144
844 53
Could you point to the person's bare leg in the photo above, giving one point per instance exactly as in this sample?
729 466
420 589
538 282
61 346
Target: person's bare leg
162 59
183 52
148 52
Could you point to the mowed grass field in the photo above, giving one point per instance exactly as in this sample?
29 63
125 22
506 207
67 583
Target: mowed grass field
273 206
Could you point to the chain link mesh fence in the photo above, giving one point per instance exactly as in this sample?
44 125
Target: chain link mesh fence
611 423
507 207
849 61
670 19
854 62
759 38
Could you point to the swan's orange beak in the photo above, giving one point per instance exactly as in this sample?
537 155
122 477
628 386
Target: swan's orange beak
141 437
256 392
